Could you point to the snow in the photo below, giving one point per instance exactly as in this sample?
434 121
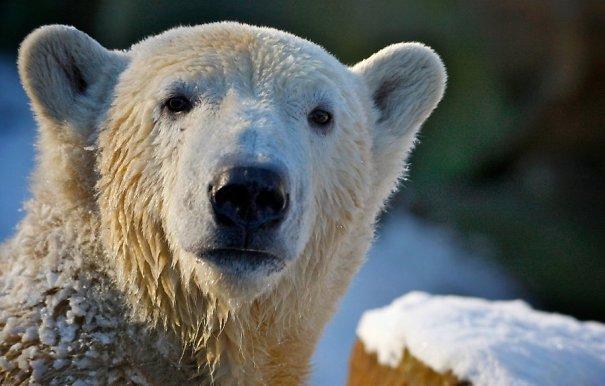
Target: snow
409 254
487 342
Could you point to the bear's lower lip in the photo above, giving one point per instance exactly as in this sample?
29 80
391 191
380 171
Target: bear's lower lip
243 261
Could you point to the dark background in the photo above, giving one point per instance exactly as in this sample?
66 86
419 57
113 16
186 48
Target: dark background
513 155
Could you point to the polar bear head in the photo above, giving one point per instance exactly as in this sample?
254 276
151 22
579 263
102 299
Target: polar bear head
227 163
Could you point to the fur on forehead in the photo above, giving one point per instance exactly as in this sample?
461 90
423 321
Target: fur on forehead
266 48
230 36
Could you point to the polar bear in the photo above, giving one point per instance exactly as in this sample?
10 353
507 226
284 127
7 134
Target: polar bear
200 201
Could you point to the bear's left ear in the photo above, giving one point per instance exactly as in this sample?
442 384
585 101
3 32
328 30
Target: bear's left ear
405 82
67 76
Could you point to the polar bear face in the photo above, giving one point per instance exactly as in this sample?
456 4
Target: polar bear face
252 130
229 157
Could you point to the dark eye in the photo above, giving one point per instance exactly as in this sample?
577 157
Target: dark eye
320 117
178 104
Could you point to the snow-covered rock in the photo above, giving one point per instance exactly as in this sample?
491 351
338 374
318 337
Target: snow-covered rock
486 342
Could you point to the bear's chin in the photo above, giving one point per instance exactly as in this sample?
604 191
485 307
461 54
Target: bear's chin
239 275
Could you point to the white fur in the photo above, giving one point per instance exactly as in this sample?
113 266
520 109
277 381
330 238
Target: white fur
128 214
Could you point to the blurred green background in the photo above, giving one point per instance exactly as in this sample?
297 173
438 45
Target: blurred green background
514 155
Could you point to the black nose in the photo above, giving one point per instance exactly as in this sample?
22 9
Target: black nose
249 197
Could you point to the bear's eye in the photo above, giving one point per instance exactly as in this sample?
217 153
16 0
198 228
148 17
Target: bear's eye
319 117
179 103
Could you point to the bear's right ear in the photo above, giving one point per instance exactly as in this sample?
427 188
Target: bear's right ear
67 75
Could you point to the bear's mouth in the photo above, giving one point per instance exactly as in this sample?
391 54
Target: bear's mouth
242 261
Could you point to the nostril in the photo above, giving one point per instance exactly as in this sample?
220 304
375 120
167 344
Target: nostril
233 195
271 200
231 204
